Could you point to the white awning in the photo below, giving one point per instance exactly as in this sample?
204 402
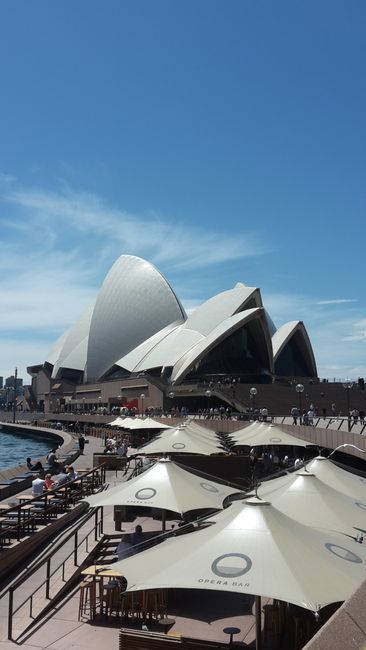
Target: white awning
254 549
166 486
180 440
264 434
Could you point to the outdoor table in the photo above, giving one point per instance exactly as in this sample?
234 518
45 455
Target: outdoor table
231 631
100 571
25 497
166 622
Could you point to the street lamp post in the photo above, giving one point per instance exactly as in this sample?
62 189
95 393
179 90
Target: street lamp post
208 395
171 396
253 392
15 394
348 385
142 397
300 390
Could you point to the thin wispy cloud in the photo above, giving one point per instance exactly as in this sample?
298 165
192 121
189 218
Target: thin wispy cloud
358 332
164 240
337 301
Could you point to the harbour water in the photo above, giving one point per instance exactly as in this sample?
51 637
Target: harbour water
16 446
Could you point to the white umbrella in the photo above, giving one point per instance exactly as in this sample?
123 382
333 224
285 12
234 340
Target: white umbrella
166 485
268 435
307 499
202 433
118 422
193 426
178 441
254 549
338 478
149 423
122 422
249 428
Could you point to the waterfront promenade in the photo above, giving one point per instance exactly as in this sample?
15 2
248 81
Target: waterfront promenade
198 614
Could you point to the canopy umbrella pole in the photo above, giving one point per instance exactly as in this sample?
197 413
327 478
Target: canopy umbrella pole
258 623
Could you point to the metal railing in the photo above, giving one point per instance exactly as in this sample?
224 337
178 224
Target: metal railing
97 530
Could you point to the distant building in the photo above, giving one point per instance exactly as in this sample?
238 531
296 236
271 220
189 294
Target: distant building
9 383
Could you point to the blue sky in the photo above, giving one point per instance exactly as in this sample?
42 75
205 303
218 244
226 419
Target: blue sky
222 141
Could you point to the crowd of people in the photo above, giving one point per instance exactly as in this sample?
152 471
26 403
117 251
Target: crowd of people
306 416
55 475
117 444
42 483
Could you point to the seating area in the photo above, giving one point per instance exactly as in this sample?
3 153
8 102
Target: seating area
98 597
18 520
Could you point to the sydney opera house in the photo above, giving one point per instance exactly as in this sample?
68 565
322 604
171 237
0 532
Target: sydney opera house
137 336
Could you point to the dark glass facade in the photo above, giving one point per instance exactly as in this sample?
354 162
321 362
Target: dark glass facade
292 362
242 354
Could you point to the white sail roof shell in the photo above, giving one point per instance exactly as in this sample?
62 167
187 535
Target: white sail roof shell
134 303
224 329
74 349
54 352
167 351
138 323
168 347
283 335
220 307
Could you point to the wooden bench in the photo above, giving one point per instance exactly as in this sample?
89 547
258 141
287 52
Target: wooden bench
140 640
110 461
130 639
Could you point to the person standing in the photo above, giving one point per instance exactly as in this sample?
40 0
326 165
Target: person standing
295 414
81 442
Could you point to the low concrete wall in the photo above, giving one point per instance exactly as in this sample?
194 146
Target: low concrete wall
62 438
346 629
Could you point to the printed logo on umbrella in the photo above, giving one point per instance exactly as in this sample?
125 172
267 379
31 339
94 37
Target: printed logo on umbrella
231 565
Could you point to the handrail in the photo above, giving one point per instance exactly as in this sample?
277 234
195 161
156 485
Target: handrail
97 528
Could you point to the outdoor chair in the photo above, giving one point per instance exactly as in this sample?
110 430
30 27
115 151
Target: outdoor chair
131 605
112 598
87 598
154 604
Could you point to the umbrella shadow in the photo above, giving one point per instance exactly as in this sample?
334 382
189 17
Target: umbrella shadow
207 606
